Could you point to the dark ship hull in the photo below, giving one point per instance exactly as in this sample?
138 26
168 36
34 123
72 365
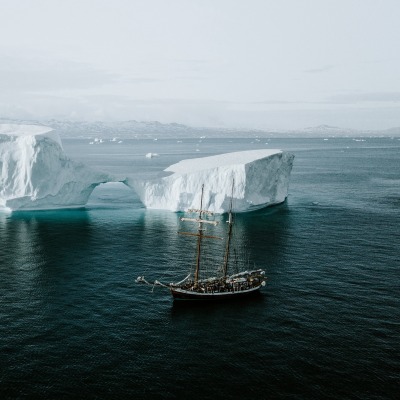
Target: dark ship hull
184 294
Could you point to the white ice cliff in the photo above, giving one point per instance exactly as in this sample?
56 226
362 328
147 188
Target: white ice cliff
35 173
261 179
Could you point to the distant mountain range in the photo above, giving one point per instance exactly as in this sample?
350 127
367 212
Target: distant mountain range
154 129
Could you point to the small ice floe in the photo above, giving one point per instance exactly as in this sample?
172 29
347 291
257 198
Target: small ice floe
151 155
197 149
120 141
113 139
326 139
202 137
155 139
91 142
179 141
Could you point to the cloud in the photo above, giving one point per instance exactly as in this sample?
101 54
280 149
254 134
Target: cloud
23 74
319 70
341 99
373 97
280 102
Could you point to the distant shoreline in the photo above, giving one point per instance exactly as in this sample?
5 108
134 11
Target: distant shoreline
156 130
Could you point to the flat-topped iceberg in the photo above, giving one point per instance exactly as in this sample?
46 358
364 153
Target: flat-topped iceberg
35 173
261 179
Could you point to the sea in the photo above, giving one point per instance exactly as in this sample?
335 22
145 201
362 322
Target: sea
74 324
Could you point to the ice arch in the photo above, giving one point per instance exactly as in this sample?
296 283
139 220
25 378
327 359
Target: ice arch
113 194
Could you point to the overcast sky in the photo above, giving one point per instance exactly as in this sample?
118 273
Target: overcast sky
232 63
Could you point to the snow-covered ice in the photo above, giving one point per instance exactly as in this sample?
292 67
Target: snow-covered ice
35 173
261 179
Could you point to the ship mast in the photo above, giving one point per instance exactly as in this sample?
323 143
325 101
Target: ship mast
228 242
200 234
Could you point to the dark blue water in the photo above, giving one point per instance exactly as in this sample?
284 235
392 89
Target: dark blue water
73 324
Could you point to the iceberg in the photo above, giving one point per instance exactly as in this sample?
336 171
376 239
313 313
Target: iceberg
261 178
35 173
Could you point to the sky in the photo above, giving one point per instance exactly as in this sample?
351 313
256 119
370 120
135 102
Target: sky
262 64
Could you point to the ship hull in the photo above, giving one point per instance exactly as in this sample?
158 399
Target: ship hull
182 294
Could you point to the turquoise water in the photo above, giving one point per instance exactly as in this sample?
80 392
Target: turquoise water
73 324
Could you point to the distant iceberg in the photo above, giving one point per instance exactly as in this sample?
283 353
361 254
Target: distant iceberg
35 173
261 179
151 155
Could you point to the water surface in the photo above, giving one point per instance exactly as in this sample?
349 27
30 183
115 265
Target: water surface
73 324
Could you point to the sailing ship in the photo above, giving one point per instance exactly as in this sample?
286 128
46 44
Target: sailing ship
222 286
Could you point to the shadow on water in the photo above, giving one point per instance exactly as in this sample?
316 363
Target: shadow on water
62 228
35 245
264 234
